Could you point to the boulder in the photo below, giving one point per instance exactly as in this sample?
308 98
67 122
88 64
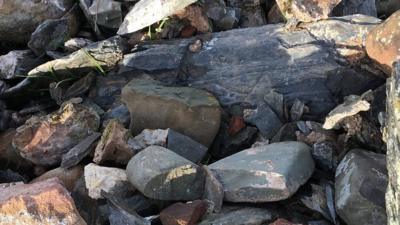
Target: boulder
161 174
183 214
20 18
17 63
383 42
68 177
42 203
265 174
43 140
360 185
183 109
110 180
307 10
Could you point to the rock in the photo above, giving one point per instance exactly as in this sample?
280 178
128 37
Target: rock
179 108
252 17
74 44
267 122
324 155
318 201
275 15
240 216
52 33
213 191
139 16
284 167
68 177
229 20
161 174
120 215
383 42
236 124
386 8
17 63
107 14
42 203
185 146
119 112
43 140
306 11
215 9
183 214
282 221
351 106
8 155
110 180
20 18
360 186
197 18
350 7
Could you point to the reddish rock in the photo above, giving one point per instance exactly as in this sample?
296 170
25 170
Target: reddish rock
42 203
183 214
188 31
197 18
68 177
281 221
235 125
383 42
8 155
307 10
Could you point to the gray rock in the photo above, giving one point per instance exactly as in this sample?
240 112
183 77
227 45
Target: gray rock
18 63
360 186
239 216
324 154
265 119
213 191
185 146
265 174
20 18
74 44
119 112
252 17
350 7
143 15
387 7
52 33
307 11
161 174
153 105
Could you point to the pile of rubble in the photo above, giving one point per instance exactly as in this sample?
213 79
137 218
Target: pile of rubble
210 112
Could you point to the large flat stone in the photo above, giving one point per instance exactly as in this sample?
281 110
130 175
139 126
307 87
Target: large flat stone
265 174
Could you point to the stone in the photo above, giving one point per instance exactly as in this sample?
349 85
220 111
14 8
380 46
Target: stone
383 42
20 18
108 179
196 17
265 119
185 146
182 109
119 112
350 7
282 221
324 155
43 140
229 21
213 191
183 214
107 14
142 14
214 9
52 33
265 174
17 63
42 203
252 17
74 44
120 215
159 173
306 10
8 155
318 201
360 186
231 215
236 124
387 7
275 15
351 106
68 177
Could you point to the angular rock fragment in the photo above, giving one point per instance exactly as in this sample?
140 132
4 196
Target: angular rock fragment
17 63
8 155
110 180
161 174
282 221
383 42
213 191
387 7
275 15
360 186
143 15
183 109
20 18
185 146
107 14
265 174
43 140
42 203
318 201
68 177
252 17
119 112
350 7
122 215
183 214
265 119
74 44
307 10
197 18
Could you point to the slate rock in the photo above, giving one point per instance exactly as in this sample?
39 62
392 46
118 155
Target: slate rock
159 173
196 17
185 146
360 187
183 109
285 167
74 44
307 11
42 203
43 140
119 112
213 191
350 7
387 7
17 63
68 177
183 214
265 119
252 17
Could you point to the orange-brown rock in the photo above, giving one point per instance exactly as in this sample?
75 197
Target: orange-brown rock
383 42
197 18
68 176
42 203
183 214
307 10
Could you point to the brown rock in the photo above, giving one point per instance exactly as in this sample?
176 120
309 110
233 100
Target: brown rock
41 203
213 191
281 221
235 125
8 155
68 176
383 42
43 140
197 18
307 10
188 31
183 214
275 15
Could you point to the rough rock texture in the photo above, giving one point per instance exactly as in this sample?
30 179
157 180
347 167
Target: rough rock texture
197 18
162 174
307 10
213 191
393 146
245 73
17 63
350 7
265 174
68 177
41 203
239 216
360 186
387 7
153 105
383 42
43 140
108 179
8 155
20 18
183 214
143 14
